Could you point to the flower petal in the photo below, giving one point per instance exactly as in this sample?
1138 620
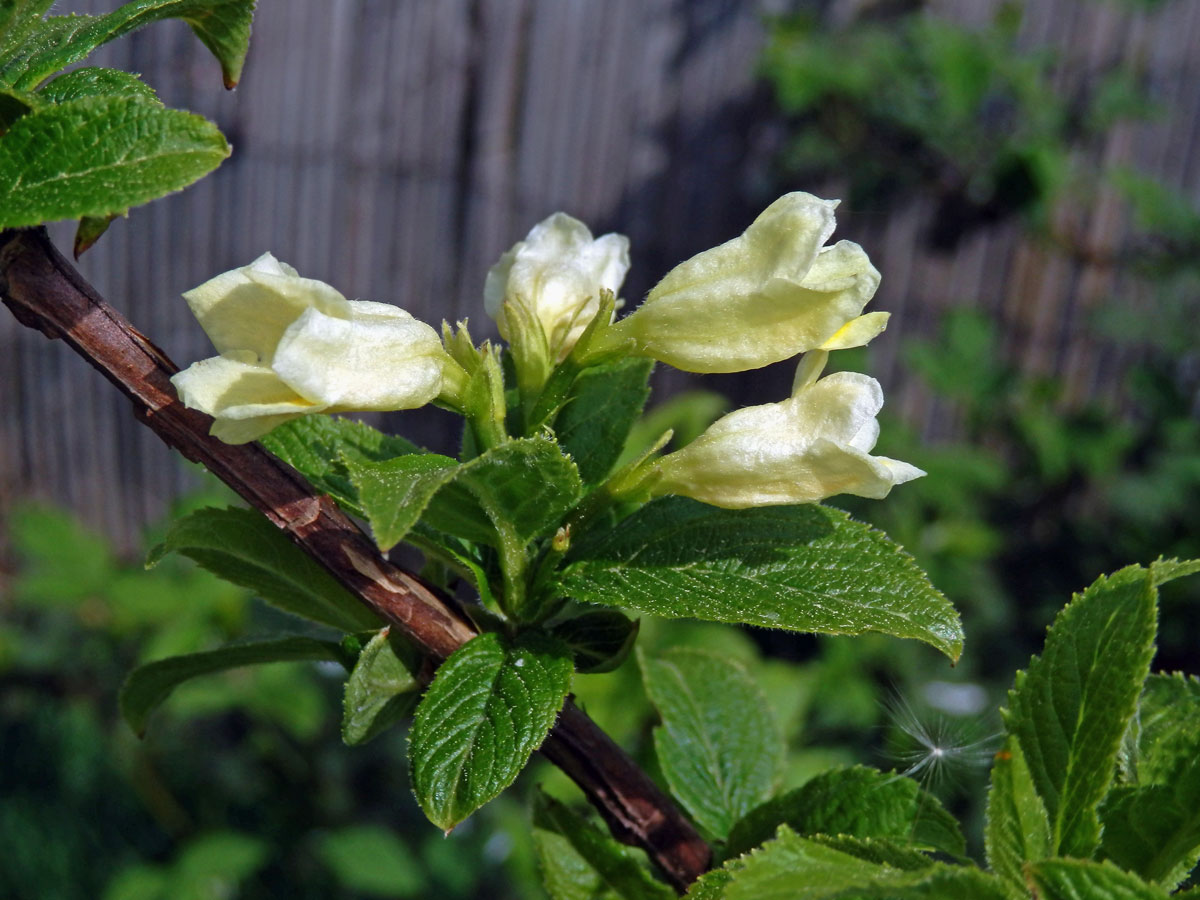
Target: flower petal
248 309
246 400
557 274
760 298
379 358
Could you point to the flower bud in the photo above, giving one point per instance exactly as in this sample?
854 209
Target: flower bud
555 275
770 294
290 346
811 446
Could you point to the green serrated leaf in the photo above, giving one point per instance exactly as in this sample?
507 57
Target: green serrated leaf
791 867
55 43
317 447
1164 737
1164 570
242 547
149 685
599 639
600 410
95 81
1018 828
97 156
857 801
1154 831
565 874
580 862
523 486
395 493
382 688
875 850
719 746
491 704
801 568
1077 879
1071 708
18 18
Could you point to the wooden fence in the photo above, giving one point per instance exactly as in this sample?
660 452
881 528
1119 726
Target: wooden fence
395 148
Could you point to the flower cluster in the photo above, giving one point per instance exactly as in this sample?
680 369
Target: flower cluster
290 346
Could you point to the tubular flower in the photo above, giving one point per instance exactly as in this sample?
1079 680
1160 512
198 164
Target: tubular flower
770 294
811 446
556 275
290 346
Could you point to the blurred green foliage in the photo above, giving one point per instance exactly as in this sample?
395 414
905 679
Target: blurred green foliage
241 788
901 102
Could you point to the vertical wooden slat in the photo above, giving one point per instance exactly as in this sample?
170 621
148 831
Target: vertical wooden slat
396 147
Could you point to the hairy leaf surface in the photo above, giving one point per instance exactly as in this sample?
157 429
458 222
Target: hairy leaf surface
489 707
382 688
801 568
242 547
1071 708
719 746
857 801
99 155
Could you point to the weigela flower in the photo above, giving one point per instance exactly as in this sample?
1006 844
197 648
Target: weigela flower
811 446
556 274
770 294
290 346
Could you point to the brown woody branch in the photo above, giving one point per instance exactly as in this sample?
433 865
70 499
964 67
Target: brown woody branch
45 292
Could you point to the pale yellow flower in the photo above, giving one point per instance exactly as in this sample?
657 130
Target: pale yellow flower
556 274
290 346
811 446
768 295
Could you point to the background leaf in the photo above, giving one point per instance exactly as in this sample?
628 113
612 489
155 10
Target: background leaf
791 867
1076 879
491 704
97 156
242 547
581 862
382 687
149 685
372 860
718 746
857 801
801 568
1071 708
1018 828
